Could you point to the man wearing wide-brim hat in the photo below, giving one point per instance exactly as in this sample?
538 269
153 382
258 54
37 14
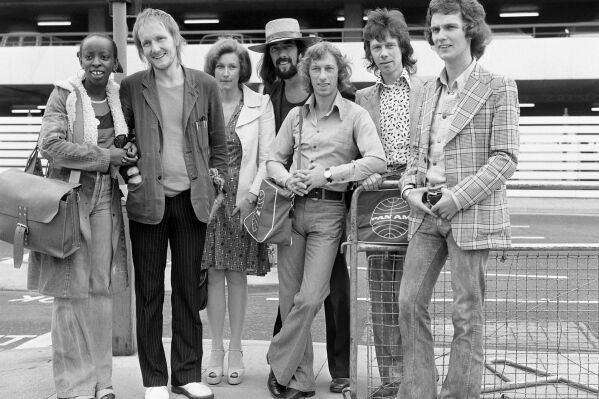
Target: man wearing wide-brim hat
284 46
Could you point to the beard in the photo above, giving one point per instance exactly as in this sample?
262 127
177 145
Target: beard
289 73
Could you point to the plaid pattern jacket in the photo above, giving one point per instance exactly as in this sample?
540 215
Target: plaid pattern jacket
481 153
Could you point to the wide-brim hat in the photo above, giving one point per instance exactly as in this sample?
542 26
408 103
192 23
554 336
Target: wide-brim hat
283 29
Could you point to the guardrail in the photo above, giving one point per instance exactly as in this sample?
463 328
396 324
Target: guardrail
559 29
559 156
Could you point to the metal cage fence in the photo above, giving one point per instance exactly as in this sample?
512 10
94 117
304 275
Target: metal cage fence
541 332
541 324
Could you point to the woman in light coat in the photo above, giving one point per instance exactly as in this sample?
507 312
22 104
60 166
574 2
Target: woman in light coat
230 252
82 117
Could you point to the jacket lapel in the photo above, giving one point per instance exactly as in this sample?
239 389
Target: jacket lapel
150 93
415 102
475 94
430 101
251 107
190 97
372 104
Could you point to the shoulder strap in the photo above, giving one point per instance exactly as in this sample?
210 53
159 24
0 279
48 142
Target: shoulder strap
299 146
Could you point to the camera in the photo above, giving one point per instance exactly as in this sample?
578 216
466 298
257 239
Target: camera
121 141
431 197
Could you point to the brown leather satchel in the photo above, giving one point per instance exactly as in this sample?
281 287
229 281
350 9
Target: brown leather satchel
39 214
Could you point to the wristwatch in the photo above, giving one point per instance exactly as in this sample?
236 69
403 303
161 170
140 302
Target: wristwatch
406 191
328 175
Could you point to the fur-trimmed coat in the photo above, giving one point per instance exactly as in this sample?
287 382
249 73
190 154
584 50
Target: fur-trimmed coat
68 139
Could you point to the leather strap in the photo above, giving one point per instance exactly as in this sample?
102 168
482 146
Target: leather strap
75 176
299 146
20 239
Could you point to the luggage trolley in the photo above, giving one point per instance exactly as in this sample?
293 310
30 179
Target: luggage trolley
392 229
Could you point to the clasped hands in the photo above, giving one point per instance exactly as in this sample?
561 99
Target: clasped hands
445 208
304 180
244 208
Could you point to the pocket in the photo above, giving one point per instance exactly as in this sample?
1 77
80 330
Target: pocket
201 130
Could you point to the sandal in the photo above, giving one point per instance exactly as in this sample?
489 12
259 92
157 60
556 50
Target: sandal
214 371
235 369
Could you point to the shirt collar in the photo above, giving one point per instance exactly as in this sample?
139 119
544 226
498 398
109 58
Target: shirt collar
405 75
461 80
338 104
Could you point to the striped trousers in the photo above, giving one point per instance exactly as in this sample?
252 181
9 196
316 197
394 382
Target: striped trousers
185 233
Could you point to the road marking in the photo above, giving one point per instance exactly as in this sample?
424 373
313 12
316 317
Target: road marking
37 298
14 338
530 301
539 276
10 261
497 300
40 341
520 227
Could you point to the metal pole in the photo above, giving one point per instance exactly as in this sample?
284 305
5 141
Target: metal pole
123 305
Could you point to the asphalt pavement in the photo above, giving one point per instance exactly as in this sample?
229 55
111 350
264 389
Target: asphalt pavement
519 290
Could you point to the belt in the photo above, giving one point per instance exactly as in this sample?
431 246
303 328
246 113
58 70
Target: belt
323 194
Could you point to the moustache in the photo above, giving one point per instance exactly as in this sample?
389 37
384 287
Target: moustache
283 59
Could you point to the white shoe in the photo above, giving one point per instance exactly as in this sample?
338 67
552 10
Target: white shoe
194 390
157 393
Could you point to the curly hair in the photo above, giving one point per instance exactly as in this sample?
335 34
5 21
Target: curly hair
266 68
382 22
473 14
163 18
229 46
317 52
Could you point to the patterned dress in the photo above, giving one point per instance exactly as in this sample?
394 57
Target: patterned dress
228 247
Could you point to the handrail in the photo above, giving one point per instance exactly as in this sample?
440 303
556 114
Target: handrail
334 34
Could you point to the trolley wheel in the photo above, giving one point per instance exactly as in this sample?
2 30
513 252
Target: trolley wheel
346 393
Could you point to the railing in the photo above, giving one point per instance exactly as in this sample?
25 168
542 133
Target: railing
563 29
559 156
18 136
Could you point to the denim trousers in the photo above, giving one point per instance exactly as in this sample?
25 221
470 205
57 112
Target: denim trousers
304 270
384 279
426 255
82 328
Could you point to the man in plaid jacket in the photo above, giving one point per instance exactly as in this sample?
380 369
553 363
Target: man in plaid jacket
465 150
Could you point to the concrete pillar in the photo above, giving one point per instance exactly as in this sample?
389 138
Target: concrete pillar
96 19
353 13
123 306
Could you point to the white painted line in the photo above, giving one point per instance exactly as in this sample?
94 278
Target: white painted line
41 341
14 338
539 276
528 238
10 261
532 301
515 226
276 299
